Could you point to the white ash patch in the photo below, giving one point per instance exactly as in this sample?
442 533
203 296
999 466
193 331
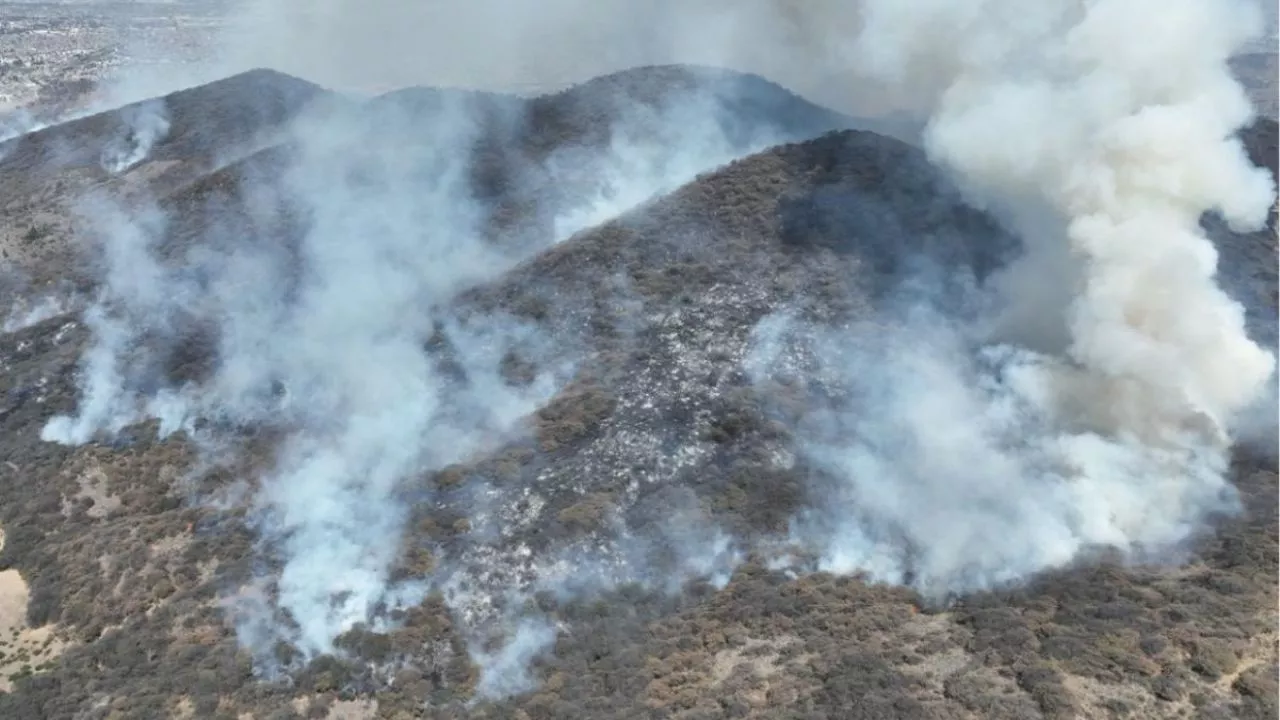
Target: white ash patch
523 513
490 582
781 458
677 371
63 330
667 402
664 405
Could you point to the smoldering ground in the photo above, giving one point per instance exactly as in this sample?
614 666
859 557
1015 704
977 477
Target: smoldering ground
321 335
941 465
325 318
145 125
1084 398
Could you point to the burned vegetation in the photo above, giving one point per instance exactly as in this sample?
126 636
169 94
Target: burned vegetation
137 550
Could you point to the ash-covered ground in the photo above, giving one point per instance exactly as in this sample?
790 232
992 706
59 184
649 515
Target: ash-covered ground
671 393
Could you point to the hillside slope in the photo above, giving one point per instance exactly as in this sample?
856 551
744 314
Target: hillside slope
603 513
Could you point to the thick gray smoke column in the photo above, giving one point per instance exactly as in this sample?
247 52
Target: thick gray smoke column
1092 409
1124 129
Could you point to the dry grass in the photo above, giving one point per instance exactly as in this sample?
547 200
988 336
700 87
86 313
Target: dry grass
105 555
23 649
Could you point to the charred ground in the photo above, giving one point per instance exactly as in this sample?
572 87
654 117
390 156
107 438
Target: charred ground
128 567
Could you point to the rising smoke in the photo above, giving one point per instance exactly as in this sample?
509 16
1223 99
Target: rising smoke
322 335
325 344
1088 403
979 449
145 124
16 123
26 313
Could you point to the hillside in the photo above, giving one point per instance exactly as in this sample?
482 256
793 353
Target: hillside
593 508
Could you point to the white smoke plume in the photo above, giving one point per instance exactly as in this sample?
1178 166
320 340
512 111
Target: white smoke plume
322 339
325 344
505 671
14 124
1127 143
1089 406
1119 130
146 124
653 151
134 295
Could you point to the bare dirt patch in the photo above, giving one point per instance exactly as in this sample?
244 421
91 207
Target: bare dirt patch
23 650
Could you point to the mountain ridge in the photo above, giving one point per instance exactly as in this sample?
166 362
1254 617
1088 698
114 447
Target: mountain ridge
654 429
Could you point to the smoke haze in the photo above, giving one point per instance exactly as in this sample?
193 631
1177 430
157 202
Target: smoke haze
1082 399
376 47
325 344
322 313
